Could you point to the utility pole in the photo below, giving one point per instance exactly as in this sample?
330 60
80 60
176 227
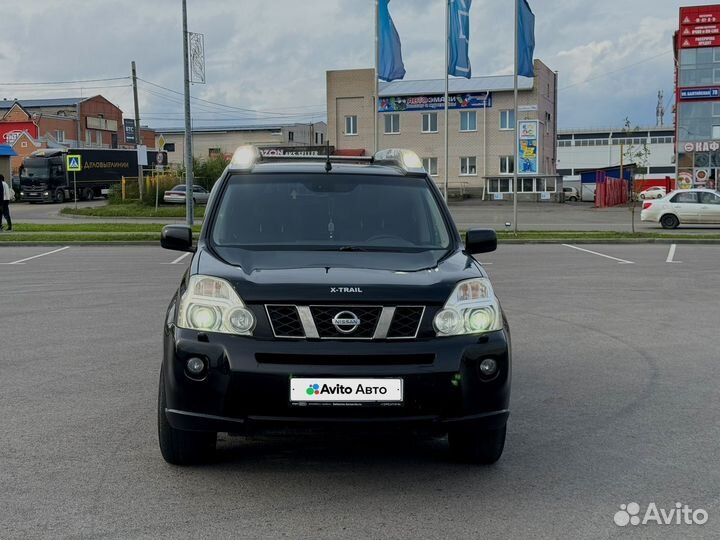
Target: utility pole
188 125
138 140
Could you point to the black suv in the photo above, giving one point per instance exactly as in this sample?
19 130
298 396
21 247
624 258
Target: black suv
332 293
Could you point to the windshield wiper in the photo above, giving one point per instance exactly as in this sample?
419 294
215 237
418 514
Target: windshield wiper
351 248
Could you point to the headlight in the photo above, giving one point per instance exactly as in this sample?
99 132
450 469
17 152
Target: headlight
471 309
211 305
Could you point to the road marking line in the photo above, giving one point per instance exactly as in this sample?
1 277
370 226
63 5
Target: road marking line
180 258
620 261
21 261
671 255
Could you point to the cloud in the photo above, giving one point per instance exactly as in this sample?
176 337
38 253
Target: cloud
272 56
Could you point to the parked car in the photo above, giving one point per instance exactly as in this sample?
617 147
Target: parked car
324 292
571 194
655 192
177 195
684 207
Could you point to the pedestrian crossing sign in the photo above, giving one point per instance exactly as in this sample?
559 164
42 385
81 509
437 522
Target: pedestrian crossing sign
74 163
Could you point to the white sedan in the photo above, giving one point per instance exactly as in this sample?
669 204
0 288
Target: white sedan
177 195
655 192
683 207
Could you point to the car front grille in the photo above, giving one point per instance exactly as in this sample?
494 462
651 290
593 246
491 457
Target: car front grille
345 321
285 321
406 321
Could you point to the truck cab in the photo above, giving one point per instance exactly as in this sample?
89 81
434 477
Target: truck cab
43 177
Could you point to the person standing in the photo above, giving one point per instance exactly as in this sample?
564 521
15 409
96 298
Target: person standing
7 195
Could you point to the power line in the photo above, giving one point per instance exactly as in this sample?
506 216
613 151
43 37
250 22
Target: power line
66 88
223 105
62 82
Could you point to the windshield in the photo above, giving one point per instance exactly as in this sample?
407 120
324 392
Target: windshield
35 172
335 211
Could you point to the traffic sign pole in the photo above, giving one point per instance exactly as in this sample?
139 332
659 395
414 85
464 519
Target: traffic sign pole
75 188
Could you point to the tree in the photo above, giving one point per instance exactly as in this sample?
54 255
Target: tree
637 154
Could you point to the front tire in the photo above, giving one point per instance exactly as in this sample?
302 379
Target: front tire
60 196
181 447
669 221
477 445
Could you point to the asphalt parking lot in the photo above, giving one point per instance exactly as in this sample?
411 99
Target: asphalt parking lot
614 401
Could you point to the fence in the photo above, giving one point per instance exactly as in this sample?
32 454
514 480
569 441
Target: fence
610 191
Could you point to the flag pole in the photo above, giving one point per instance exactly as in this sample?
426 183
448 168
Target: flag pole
515 95
447 38
376 89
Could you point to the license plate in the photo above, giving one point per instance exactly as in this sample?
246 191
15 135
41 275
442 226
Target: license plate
316 390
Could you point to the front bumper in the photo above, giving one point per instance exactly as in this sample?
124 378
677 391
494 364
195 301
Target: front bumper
247 385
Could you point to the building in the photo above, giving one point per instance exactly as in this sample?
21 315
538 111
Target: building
223 140
94 122
581 150
481 132
697 96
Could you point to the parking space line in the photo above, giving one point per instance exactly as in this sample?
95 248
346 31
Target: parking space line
22 261
671 255
180 258
620 261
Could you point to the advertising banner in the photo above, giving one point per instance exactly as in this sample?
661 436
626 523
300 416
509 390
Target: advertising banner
423 103
527 156
10 131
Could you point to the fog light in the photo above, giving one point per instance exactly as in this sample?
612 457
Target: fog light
488 367
195 366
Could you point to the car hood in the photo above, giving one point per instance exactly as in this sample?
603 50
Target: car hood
339 277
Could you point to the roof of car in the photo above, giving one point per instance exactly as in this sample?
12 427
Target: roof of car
318 167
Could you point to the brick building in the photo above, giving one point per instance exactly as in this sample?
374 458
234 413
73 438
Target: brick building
94 122
482 138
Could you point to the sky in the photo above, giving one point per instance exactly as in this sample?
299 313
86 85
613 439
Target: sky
266 59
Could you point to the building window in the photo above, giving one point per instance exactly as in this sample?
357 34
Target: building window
392 123
430 165
214 152
507 119
507 164
88 137
60 135
61 113
468 166
548 121
500 185
429 123
322 136
317 138
716 108
351 125
545 184
291 136
23 144
468 121
98 138
526 185
716 133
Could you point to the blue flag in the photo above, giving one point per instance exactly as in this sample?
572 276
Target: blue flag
390 61
526 39
459 39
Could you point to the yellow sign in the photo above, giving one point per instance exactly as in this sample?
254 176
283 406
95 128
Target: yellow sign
161 143
74 163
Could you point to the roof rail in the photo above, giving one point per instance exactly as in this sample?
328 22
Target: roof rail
246 157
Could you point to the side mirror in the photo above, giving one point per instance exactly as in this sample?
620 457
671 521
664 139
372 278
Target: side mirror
480 241
177 237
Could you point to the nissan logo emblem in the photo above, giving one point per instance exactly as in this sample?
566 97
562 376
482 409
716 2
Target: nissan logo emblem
346 322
